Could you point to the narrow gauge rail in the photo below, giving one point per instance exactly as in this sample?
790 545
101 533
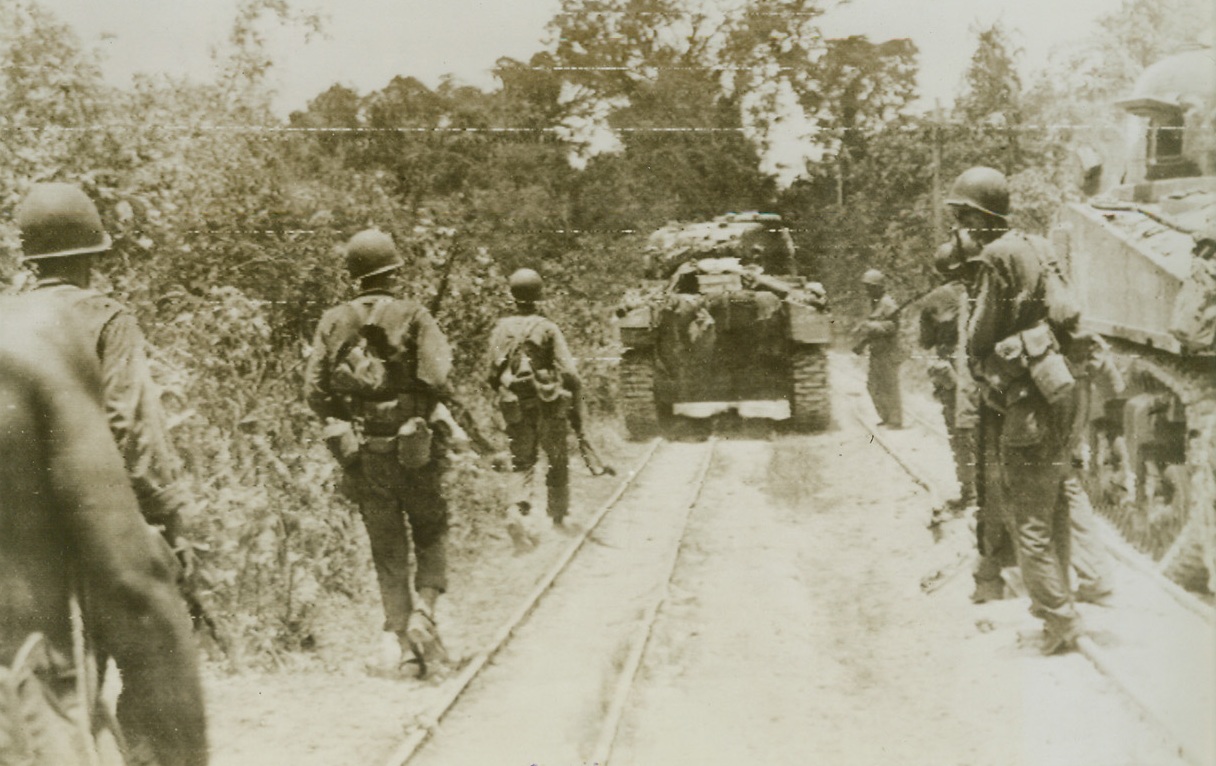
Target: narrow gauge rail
416 739
1188 746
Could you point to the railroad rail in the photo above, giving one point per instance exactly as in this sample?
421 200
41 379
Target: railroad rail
416 739
1191 751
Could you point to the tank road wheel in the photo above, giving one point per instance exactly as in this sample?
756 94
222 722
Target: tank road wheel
1191 560
637 394
811 404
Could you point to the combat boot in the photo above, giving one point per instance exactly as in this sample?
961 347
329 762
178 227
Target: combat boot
421 638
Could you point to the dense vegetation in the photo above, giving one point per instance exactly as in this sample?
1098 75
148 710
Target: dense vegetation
226 220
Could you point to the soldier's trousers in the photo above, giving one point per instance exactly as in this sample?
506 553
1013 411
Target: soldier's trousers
388 496
883 384
542 428
962 441
1029 481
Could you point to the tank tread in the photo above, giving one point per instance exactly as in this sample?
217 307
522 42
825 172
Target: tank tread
811 404
1183 543
637 394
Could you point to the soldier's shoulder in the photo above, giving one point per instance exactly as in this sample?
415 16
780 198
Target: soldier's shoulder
1012 244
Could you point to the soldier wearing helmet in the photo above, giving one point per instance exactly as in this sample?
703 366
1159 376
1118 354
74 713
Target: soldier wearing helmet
880 333
378 373
943 316
61 234
1023 319
533 374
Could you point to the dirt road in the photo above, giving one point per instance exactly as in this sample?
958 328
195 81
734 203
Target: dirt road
795 631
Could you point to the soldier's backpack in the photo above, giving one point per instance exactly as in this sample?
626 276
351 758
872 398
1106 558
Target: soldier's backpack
521 379
363 365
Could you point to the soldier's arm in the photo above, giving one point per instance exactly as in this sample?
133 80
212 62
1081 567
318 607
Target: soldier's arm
564 362
884 320
984 321
132 608
434 355
316 376
137 422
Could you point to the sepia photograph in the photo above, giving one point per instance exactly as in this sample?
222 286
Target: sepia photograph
608 382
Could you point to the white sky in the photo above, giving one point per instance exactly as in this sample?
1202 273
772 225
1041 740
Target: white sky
370 41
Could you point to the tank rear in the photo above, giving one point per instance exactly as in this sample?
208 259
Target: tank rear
717 333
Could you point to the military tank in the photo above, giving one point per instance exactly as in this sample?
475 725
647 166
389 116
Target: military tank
1141 257
714 331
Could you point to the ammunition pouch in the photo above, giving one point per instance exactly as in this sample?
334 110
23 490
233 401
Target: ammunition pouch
413 443
342 442
1031 355
509 406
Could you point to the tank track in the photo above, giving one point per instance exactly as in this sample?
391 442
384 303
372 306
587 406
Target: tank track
811 403
637 394
1180 537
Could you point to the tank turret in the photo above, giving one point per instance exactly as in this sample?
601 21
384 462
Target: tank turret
724 326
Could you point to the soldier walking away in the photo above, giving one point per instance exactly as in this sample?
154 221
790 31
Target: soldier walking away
1023 319
82 577
378 373
880 332
942 322
537 385
61 234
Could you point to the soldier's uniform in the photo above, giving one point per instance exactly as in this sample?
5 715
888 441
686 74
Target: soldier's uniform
386 492
944 311
539 416
132 400
880 332
1027 440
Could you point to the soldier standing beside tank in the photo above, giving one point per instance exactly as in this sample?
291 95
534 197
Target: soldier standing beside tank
1021 320
942 319
61 233
880 332
379 431
535 379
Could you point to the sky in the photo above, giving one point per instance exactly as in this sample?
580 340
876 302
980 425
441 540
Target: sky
368 42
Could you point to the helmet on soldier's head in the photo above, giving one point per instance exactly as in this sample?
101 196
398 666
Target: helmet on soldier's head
983 189
371 252
873 277
58 220
946 260
525 285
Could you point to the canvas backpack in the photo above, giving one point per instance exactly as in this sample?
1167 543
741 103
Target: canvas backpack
364 366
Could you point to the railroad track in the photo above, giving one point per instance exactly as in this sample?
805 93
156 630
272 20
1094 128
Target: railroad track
1188 745
415 744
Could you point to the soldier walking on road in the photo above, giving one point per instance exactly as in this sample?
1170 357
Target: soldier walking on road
535 379
880 332
61 233
1023 317
942 322
378 372
82 578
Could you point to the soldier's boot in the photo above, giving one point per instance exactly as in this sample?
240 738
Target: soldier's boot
422 635
988 590
519 528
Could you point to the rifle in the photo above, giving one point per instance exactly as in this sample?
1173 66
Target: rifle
591 457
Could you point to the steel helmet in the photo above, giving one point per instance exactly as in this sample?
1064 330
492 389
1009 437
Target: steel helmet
983 189
371 252
59 220
525 285
946 260
873 277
